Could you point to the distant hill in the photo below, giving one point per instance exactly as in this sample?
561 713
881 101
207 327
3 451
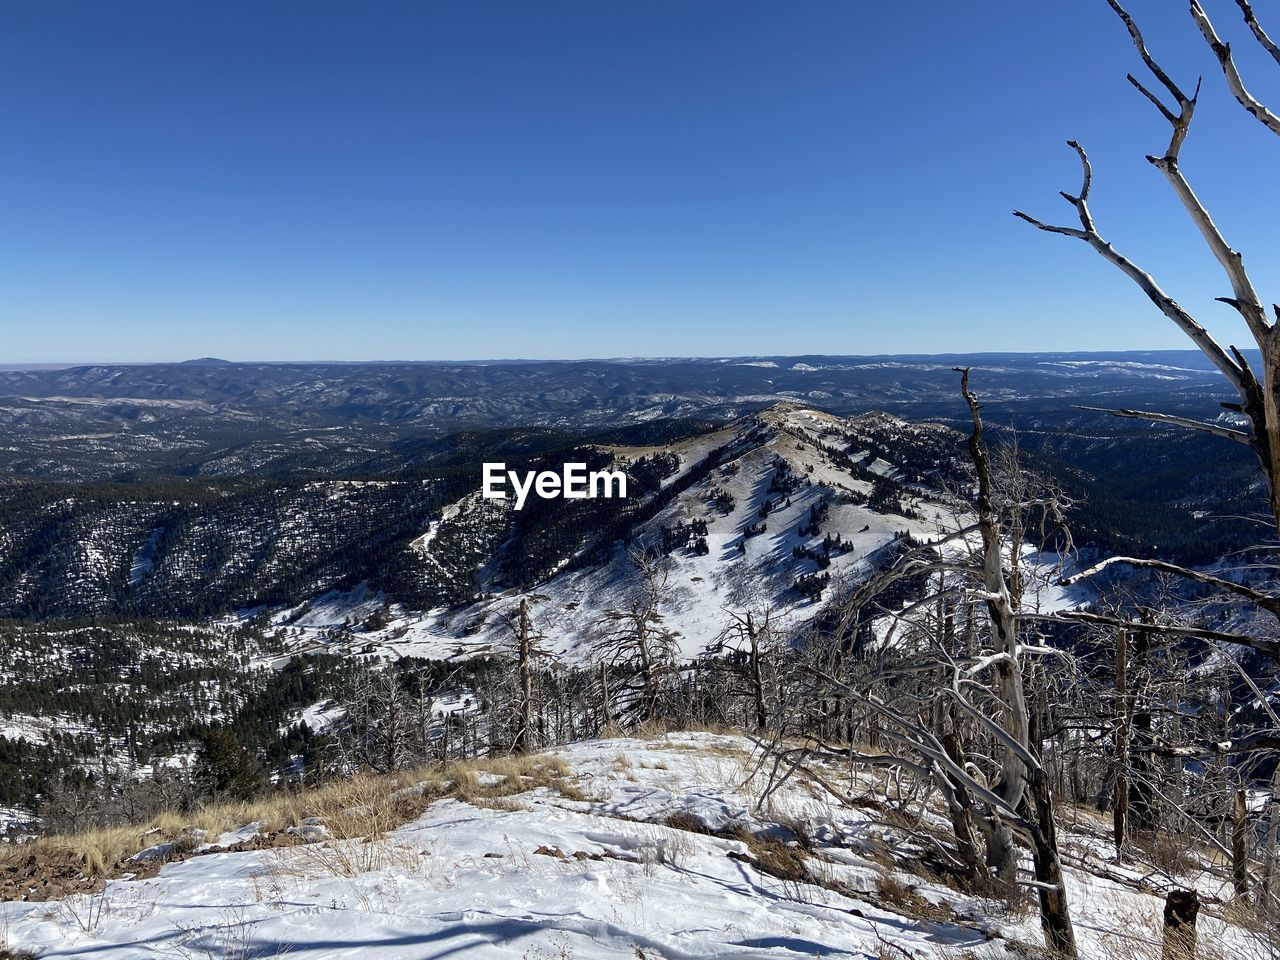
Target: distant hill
1144 484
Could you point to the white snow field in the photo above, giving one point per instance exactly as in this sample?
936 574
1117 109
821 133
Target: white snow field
655 849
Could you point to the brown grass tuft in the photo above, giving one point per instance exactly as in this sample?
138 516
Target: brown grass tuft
774 857
364 806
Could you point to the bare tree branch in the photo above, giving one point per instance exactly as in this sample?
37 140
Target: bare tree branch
1159 104
922 740
999 602
1270 647
1180 121
1138 42
1246 300
1249 743
1217 430
1167 305
1222 51
1266 601
1267 43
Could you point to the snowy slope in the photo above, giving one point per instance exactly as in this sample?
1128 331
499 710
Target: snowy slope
740 571
789 460
655 849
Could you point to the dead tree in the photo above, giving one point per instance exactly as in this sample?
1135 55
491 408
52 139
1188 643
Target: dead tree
1240 843
751 637
526 655
606 704
1123 723
377 732
1181 908
1002 611
1258 392
637 643
1272 836
1257 400
998 783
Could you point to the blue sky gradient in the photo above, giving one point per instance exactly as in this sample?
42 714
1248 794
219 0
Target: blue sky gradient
304 180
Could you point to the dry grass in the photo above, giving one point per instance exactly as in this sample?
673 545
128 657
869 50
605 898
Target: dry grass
613 731
1259 936
653 730
500 777
683 820
363 806
893 891
343 858
890 951
665 846
774 857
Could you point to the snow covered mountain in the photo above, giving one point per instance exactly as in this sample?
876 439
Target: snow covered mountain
775 511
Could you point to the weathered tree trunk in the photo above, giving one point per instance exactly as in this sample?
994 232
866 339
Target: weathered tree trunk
960 806
391 739
1240 845
1124 706
1055 913
1269 853
1144 812
757 678
1001 854
524 666
605 706
1000 608
1181 907
649 690
1266 434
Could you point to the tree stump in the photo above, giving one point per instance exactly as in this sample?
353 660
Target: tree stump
1180 910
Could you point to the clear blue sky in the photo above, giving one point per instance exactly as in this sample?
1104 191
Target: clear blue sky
429 180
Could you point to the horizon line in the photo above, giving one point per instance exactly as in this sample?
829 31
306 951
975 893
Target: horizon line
219 361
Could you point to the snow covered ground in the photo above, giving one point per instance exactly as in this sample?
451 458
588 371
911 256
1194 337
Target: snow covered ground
651 849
